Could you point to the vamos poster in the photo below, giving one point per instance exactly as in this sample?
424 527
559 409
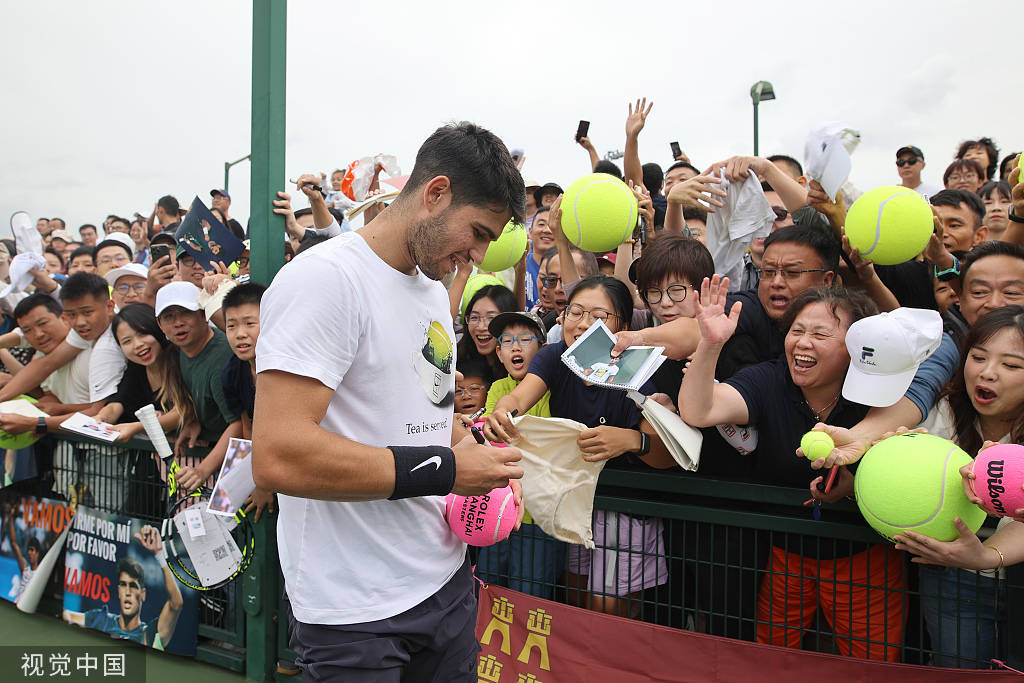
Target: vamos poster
116 580
32 532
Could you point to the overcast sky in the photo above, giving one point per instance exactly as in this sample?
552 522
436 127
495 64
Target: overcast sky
109 105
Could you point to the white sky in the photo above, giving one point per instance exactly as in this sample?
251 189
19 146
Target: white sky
109 105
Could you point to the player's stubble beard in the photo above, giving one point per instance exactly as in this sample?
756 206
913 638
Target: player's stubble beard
426 241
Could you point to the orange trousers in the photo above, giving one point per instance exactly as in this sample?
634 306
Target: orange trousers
862 597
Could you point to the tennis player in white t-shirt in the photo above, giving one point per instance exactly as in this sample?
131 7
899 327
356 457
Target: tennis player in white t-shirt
353 423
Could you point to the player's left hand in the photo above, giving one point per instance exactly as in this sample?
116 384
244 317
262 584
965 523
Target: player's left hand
604 442
258 500
16 424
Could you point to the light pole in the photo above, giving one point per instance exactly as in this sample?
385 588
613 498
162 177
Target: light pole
227 168
759 92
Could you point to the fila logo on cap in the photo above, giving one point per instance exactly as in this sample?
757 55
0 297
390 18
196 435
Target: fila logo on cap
865 353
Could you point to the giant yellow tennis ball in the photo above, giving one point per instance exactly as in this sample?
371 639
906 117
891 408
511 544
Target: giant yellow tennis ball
816 445
911 482
890 224
598 212
505 251
474 284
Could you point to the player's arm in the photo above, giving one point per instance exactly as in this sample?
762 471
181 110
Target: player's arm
293 455
76 618
149 537
14 544
38 370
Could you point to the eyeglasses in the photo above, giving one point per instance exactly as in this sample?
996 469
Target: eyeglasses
244 261
139 287
780 213
550 281
575 312
119 258
506 341
909 161
476 318
186 261
676 293
788 274
471 390
963 176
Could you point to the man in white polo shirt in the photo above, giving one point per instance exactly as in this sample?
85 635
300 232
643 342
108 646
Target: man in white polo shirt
379 585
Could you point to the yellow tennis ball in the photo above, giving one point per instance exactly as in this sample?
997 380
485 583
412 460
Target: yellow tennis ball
505 251
890 224
599 212
912 482
474 284
816 445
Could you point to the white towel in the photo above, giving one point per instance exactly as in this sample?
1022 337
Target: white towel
746 214
20 275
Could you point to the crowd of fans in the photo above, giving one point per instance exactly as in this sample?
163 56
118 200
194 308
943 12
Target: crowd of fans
108 326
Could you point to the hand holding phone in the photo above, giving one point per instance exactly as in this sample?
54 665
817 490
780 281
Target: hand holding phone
158 251
583 130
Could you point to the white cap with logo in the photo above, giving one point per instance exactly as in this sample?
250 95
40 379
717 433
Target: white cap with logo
184 294
885 352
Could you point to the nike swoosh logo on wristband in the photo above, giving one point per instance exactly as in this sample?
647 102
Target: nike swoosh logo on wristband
435 460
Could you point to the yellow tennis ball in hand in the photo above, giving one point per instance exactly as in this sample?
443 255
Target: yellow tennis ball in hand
890 224
816 445
599 212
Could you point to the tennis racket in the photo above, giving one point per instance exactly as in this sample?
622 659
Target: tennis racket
204 551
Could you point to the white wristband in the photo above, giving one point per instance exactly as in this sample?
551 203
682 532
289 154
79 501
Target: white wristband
161 557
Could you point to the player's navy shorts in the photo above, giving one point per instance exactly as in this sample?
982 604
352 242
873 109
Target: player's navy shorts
433 641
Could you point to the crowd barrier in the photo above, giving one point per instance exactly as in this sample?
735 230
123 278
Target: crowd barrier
715 570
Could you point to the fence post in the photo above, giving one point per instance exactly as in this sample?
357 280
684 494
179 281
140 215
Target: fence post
1014 610
266 231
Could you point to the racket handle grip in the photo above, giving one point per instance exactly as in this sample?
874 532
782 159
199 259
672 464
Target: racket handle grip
147 416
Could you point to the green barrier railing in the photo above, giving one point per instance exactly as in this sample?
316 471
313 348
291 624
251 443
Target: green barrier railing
716 541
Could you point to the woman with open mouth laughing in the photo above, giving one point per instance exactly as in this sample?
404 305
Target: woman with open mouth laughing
856 585
477 342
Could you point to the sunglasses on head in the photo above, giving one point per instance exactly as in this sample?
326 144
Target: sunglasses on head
909 161
780 213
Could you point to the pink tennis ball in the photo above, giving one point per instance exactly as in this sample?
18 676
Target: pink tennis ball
482 520
998 477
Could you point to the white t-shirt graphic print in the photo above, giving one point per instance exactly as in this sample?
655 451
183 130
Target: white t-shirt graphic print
383 341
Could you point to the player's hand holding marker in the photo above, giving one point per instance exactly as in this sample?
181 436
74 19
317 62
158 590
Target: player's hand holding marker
479 469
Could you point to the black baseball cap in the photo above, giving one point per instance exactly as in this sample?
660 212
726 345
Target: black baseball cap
546 187
910 149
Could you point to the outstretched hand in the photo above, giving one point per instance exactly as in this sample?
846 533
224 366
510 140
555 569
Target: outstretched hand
637 117
716 326
698 192
966 551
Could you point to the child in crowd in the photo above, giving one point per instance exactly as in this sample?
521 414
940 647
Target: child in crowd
617 431
529 561
471 389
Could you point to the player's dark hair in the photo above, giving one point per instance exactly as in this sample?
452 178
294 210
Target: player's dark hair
84 284
618 293
786 159
654 178
131 567
964 413
990 149
33 301
673 255
826 246
609 167
955 198
248 293
479 166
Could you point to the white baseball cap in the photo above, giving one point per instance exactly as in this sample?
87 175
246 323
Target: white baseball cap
885 352
136 269
184 294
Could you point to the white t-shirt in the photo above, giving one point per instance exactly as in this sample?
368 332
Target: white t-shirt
106 364
382 340
70 382
927 190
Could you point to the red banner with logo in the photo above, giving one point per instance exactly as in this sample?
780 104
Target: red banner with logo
529 640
